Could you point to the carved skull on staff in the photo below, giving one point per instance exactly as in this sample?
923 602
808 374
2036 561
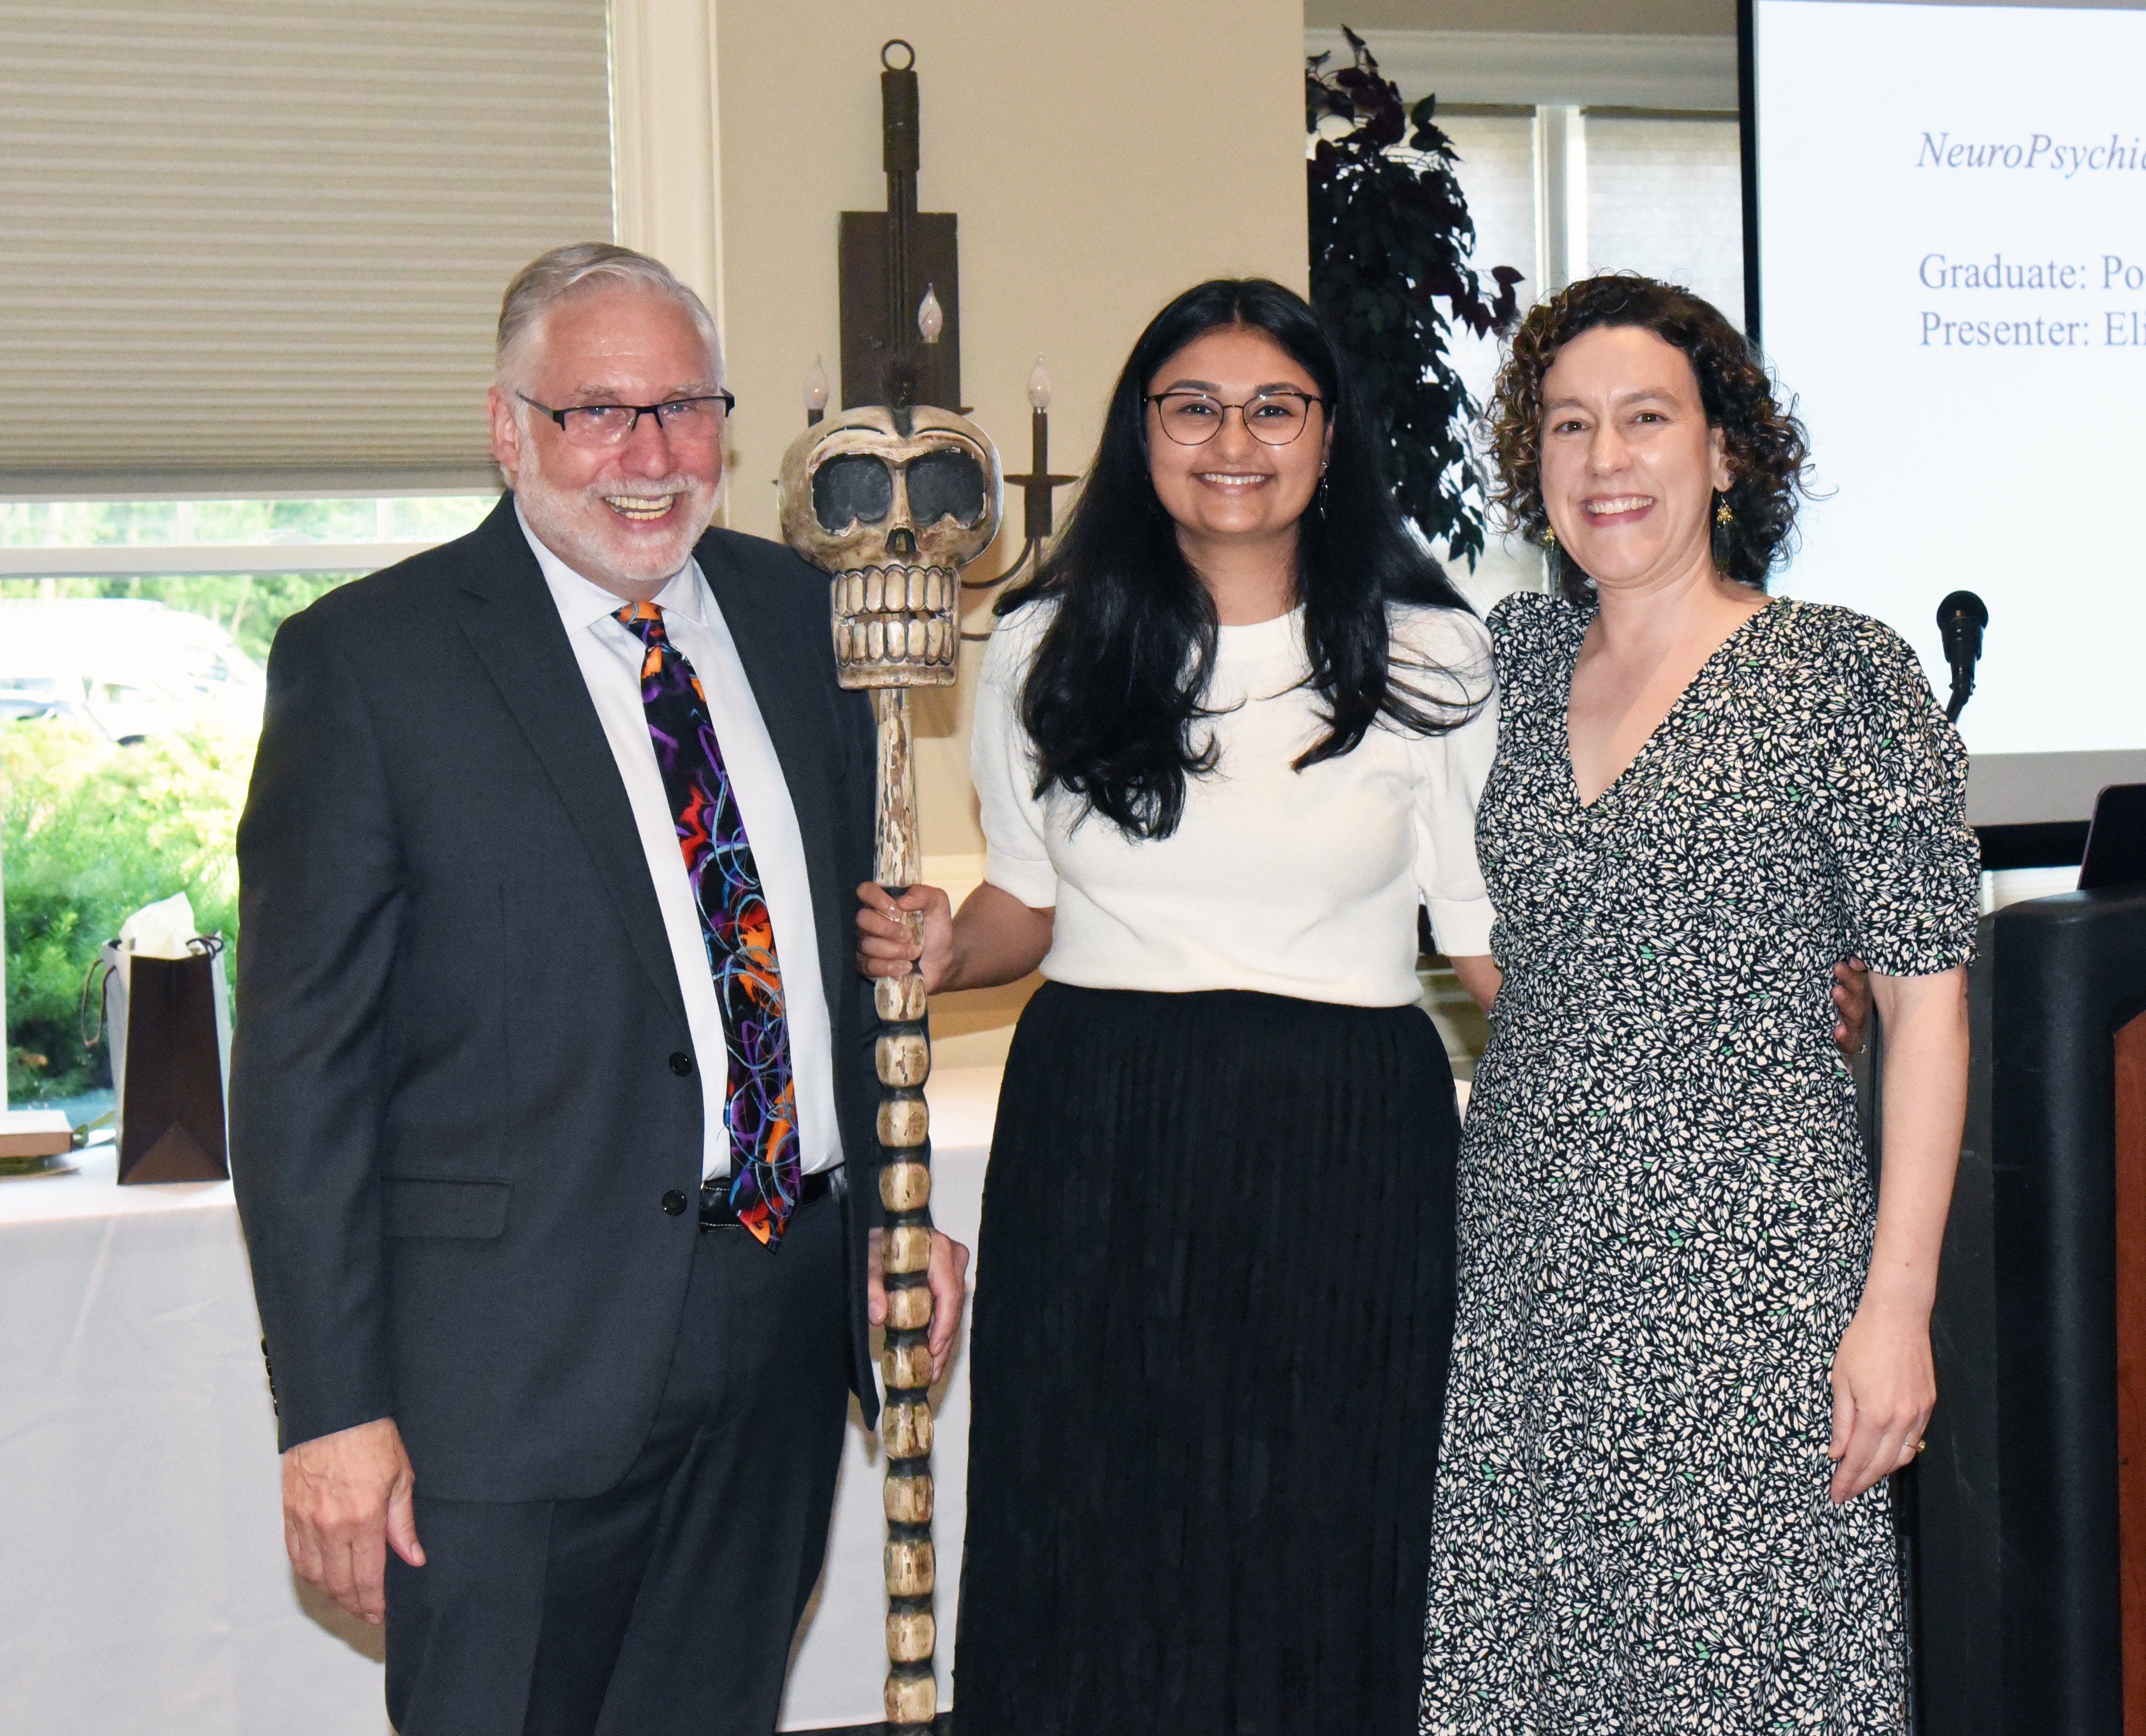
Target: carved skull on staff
893 503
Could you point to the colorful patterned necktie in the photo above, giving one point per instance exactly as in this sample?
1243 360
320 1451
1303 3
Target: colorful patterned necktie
760 1107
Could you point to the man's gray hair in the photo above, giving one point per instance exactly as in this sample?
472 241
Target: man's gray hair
552 278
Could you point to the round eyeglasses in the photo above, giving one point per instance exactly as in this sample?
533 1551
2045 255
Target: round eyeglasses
1193 418
597 425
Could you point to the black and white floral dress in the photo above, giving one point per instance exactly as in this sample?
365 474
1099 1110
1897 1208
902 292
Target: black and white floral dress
1665 1215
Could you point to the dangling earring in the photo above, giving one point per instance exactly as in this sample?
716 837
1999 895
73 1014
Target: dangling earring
1553 560
1322 491
1725 540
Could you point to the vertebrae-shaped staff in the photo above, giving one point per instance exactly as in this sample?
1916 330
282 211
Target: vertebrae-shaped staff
894 594
903 1055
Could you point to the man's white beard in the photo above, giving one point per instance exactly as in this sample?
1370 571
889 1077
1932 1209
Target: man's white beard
573 523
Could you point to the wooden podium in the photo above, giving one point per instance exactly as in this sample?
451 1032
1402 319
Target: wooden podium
2025 1520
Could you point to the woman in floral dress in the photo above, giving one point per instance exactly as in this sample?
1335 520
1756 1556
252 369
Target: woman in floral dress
1692 1338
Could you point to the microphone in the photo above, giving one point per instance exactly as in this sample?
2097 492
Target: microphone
1961 618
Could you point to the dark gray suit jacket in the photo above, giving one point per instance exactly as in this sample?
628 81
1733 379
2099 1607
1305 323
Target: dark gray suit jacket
460 1077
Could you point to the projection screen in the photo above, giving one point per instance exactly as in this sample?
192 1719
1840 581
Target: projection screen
1950 232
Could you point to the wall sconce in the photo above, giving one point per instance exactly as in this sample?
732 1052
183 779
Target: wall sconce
1037 488
885 256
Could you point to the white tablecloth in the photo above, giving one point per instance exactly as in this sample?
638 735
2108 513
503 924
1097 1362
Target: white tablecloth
143 1587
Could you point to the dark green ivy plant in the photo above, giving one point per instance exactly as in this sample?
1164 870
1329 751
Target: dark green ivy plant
1391 241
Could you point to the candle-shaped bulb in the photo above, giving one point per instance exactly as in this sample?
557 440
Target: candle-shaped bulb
1039 386
930 316
816 386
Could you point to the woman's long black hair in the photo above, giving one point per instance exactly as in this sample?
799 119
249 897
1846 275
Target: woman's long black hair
1113 699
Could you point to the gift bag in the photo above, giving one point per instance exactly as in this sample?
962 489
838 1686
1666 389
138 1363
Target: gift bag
169 1013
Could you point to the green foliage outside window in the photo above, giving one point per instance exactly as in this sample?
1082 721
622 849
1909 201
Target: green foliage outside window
106 524
91 832
250 606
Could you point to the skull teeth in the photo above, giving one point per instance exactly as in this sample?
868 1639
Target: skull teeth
896 639
895 616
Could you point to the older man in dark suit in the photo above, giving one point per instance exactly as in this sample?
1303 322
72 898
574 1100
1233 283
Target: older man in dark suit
552 1093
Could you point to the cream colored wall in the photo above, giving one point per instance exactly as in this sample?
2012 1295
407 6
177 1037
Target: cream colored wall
1101 155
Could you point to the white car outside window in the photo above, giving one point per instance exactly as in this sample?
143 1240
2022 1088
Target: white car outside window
129 667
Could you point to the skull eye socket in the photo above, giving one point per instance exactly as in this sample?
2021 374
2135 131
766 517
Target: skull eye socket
852 488
946 484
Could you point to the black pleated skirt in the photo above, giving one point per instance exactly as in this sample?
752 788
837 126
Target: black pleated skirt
1207 1364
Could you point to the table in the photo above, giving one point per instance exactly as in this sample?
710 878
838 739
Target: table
143 1587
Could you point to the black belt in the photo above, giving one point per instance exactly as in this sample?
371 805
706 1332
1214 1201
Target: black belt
715 1213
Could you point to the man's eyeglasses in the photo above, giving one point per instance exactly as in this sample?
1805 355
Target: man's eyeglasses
597 425
1193 418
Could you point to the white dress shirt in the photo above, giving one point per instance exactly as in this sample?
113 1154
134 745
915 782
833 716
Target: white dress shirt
610 657
1298 883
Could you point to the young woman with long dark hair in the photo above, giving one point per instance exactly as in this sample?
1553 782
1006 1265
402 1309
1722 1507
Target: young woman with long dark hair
1226 744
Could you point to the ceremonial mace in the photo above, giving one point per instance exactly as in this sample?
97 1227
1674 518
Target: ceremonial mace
893 502
893 496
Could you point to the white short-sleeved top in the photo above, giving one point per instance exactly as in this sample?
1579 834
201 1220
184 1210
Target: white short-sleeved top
1298 883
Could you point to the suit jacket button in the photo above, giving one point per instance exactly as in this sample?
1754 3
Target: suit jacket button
681 1063
674 1203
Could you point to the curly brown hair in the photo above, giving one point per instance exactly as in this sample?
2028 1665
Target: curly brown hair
1767 452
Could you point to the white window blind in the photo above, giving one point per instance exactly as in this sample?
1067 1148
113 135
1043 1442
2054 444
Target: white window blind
259 246
1664 197
1497 174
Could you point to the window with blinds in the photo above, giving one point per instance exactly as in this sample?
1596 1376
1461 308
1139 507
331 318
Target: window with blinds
1665 197
258 246
1497 174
